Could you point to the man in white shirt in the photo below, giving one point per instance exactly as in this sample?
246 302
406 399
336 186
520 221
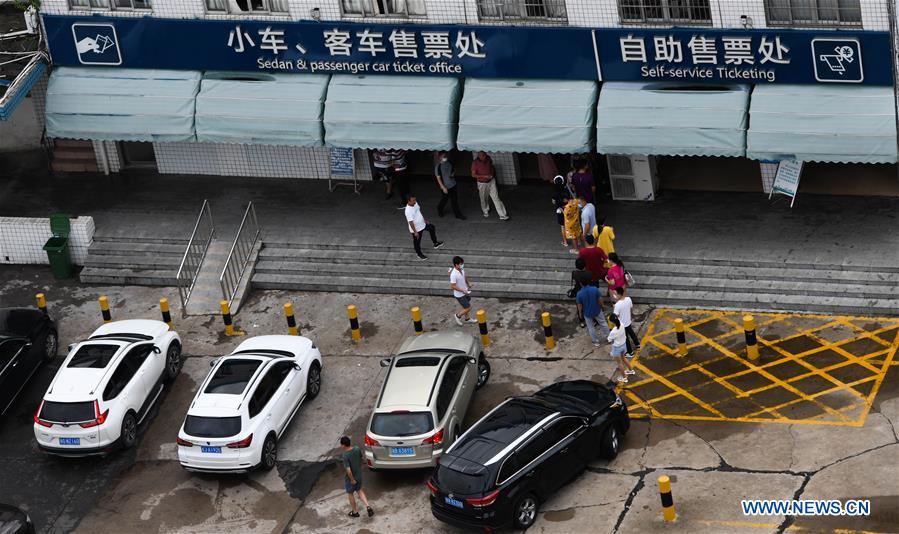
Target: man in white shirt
588 215
461 290
417 225
623 308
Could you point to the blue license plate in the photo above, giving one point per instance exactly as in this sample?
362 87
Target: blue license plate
213 450
454 502
70 441
402 451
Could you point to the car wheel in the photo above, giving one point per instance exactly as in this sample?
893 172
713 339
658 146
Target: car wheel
51 345
269 453
313 381
483 372
173 361
611 441
525 511
129 431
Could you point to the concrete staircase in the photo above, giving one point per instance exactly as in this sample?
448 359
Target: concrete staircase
133 261
73 155
546 275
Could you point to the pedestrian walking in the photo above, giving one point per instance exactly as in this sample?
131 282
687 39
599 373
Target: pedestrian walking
595 258
590 305
352 483
561 195
615 276
446 181
382 161
484 172
418 225
400 177
582 180
462 291
572 215
618 339
623 309
580 277
588 216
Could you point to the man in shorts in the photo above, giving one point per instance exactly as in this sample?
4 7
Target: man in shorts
462 291
352 483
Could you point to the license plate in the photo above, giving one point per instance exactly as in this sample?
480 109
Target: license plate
454 502
70 441
214 450
402 451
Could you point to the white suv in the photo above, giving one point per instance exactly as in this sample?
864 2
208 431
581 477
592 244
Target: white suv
245 404
106 386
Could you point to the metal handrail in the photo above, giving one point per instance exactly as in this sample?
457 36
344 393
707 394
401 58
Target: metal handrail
197 245
243 245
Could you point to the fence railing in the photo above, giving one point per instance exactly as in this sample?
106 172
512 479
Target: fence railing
200 239
241 251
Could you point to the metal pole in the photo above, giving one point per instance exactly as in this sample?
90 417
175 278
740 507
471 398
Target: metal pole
891 12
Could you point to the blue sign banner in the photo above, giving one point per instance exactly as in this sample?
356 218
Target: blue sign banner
745 56
322 47
341 161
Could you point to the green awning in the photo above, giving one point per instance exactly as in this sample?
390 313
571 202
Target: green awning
269 109
666 119
541 116
849 124
122 104
391 112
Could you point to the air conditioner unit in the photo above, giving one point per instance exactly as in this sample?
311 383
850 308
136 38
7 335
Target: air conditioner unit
632 177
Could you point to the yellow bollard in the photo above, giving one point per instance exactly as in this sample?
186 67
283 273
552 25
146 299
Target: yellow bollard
548 331
667 500
416 321
752 343
482 326
681 337
226 317
164 308
41 302
291 320
104 309
354 322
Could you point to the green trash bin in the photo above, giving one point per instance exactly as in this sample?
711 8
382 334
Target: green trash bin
57 247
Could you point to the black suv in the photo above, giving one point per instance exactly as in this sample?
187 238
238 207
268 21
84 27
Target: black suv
500 470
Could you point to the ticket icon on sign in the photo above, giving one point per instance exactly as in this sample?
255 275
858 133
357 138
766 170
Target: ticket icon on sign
96 44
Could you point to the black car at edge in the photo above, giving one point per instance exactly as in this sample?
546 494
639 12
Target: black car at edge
27 339
500 470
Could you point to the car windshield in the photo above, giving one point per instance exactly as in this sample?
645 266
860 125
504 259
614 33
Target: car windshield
400 424
67 412
212 427
453 481
232 377
93 356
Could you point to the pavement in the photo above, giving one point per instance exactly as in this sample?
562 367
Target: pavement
713 464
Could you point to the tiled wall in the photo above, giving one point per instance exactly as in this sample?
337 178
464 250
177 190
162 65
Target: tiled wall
768 171
22 239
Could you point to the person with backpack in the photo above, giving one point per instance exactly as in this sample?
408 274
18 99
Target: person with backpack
351 458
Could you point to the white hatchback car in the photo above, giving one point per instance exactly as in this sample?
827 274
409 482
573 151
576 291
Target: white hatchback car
246 402
105 388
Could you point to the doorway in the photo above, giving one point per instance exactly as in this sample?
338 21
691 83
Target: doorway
137 155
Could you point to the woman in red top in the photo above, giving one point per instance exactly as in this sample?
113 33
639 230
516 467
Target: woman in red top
615 276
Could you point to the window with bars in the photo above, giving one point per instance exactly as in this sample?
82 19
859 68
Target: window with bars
813 12
522 9
110 4
247 6
665 11
383 8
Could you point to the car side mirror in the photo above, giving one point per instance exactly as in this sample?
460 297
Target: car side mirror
297 366
213 362
156 350
72 346
472 360
385 362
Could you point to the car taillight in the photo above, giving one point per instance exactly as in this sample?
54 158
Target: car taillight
183 442
484 501
371 442
37 418
435 440
432 487
99 418
242 444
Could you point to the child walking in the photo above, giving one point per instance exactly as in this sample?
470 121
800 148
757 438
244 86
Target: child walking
618 339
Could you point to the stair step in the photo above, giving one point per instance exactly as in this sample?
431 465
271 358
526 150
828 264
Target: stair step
126 248
77 166
675 269
407 256
142 277
133 261
74 155
762 264
365 247
181 242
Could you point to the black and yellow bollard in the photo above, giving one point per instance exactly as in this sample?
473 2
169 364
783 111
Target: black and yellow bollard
354 322
416 321
291 320
226 317
41 302
104 309
752 343
668 512
482 326
548 330
166 314
681 337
